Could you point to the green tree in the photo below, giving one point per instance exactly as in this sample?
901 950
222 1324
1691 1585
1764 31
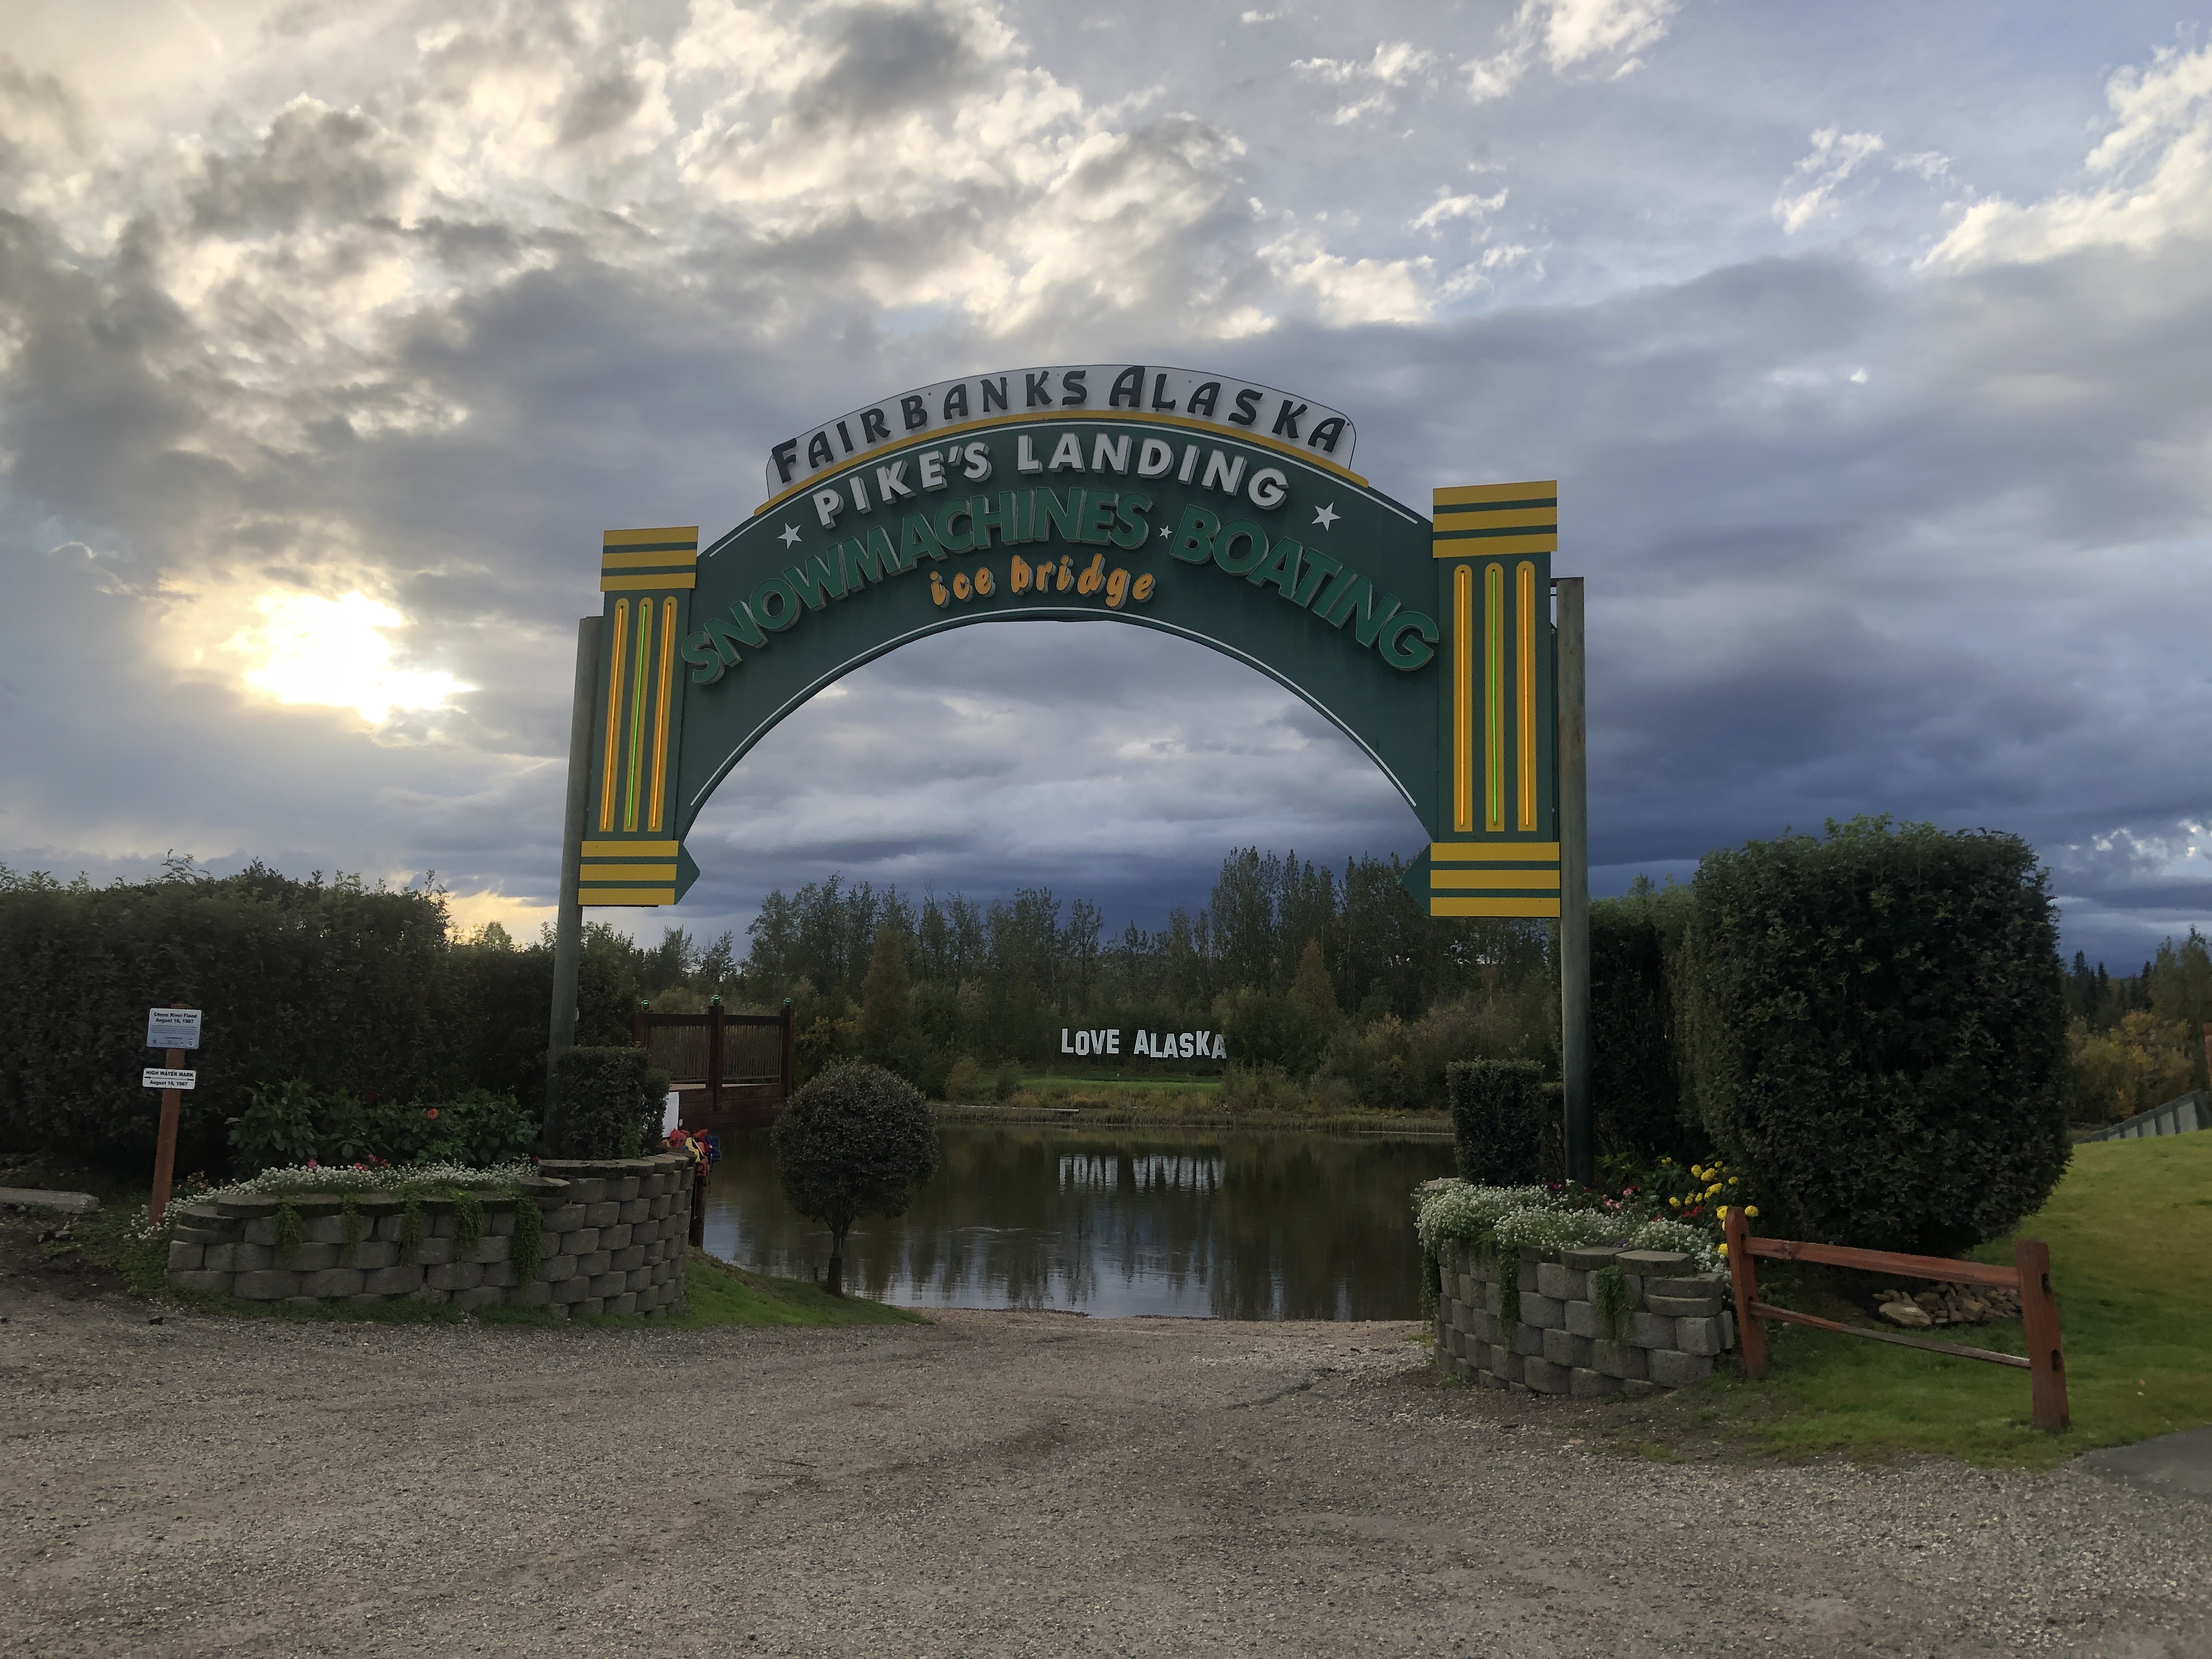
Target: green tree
1312 994
856 1141
886 1003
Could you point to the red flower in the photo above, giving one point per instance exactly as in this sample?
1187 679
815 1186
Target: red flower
431 1114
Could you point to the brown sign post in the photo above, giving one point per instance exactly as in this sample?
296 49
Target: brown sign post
175 1031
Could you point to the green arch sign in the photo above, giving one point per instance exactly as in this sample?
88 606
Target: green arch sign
1203 506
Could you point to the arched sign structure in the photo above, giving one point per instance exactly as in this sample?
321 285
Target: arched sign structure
1201 504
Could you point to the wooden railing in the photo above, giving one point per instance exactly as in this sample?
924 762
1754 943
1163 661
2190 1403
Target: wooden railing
2029 1274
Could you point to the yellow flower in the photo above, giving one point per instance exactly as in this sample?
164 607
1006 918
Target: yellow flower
1751 1211
1722 1212
1673 1203
1724 1247
1731 1181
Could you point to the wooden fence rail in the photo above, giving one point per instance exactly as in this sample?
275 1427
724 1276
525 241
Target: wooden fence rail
2029 1274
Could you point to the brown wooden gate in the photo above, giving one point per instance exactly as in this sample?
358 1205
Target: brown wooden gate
730 1070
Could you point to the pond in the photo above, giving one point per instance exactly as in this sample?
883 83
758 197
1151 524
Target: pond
1220 1225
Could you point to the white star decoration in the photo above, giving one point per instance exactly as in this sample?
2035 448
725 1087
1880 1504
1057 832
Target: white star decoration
1165 532
1325 516
790 537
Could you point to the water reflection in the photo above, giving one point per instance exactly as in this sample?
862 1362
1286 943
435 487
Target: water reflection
1221 1225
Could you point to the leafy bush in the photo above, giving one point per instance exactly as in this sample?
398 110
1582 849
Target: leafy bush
608 1103
1395 1065
291 1125
1636 1093
856 1140
1876 1032
1498 1114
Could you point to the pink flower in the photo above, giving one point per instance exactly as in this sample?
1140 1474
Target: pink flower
312 1164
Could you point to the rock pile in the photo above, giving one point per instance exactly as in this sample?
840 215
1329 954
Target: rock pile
1947 1304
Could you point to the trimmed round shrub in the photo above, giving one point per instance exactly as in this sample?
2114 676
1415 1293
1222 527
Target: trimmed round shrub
855 1141
1497 1112
1876 1031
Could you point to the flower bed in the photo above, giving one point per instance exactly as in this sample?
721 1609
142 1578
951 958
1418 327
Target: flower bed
1558 1291
591 1237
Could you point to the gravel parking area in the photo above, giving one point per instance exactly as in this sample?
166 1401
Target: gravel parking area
990 1484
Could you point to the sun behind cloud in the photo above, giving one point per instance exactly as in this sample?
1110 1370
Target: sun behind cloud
335 653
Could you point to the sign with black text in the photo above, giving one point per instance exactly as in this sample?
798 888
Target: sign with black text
172 1028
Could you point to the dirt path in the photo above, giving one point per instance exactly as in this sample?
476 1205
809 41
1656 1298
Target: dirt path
991 1484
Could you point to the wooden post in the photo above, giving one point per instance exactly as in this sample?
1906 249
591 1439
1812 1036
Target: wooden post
790 1048
1750 1334
2038 1319
715 1026
1577 1137
2208 1064
637 1025
699 1205
165 1149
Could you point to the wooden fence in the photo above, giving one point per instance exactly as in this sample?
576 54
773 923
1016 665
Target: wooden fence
729 1071
2030 1274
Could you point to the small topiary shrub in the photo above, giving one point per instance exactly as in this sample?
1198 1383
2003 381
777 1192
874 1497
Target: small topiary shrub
855 1141
1876 1031
1497 1113
609 1102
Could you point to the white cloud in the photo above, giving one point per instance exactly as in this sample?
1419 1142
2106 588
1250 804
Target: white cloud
1393 64
1470 206
1568 34
1835 157
2157 158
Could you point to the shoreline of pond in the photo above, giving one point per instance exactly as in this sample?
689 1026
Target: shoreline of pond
1416 1125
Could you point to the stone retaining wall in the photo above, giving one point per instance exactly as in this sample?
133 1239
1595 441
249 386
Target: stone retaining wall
1674 1324
612 1238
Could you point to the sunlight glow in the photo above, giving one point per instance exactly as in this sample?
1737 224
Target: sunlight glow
335 653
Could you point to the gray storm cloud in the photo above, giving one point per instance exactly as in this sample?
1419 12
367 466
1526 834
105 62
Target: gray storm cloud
327 358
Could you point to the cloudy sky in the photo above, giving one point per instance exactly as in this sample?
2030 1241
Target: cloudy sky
1871 345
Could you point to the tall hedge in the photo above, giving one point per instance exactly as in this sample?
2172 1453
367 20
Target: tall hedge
1636 1089
1498 1112
608 1103
348 990
1876 1033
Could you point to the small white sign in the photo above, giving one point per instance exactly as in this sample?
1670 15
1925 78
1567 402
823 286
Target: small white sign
172 1028
161 1076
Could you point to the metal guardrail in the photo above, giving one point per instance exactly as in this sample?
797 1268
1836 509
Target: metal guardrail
2180 1117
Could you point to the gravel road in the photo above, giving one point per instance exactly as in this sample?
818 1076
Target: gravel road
990 1484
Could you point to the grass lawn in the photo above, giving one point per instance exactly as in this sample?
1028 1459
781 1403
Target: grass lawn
2130 1235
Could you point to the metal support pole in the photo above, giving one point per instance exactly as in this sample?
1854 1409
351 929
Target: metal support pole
569 911
1579 1135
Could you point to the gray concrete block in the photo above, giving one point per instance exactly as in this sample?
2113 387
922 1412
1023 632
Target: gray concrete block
603 1214
454 1276
580 1242
371 1254
1695 1285
1583 1319
588 1189
591 1305
498 1274
307 1258
1728 1332
1564 1349
529 1296
549 1245
189 1258
401 1279
1527 1339
637 1209
1618 1359
638 1279
1683 1307
592 1265
483 1296
1545 1378
438 1226
1636 1388
555 1268
487 1250
627 1304
331 1228
390 1227
572 1291
615 1237
626 1188
1527 1272
499 1224
1700 1336
1651 1331
1653 1264
434 1252
609 1284
562 1217
332 1281
426 1294
1548 1311
1586 1384
661 1206
1463 1287
644 1232
271 1284
1675 1370
1508 1365
261 1230
212 1233
1589 1256
1556 1280
203 1280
